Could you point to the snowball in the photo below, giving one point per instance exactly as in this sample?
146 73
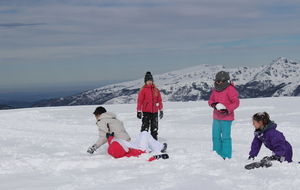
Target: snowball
220 106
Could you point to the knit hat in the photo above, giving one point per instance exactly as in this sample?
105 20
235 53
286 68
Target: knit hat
148 76
222 76
116 150
99 110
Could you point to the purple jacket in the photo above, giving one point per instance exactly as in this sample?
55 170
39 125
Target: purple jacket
273 140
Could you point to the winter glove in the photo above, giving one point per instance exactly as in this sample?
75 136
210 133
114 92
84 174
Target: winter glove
213 105
161 114
139 115
223 111
92 149
251 158
110 135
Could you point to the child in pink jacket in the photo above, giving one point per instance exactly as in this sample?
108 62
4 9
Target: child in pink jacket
224 99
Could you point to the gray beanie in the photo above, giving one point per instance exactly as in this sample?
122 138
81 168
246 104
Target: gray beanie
222 76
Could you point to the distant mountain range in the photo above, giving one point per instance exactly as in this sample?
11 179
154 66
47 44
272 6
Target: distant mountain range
5 107
280 78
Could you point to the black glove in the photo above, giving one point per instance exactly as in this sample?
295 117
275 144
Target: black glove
110 135
92 149
251 158
223 111
161 114
213 105
139 115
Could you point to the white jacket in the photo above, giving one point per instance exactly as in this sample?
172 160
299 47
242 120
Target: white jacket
108 123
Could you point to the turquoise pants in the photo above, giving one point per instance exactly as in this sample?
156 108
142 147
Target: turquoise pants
221 138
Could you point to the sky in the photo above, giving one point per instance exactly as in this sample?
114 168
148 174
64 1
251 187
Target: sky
72 42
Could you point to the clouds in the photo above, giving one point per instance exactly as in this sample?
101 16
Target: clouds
94 33
11 25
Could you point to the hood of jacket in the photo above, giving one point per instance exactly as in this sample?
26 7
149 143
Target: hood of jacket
267 127
108 115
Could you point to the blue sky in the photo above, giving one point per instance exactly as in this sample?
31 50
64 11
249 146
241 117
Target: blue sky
60 42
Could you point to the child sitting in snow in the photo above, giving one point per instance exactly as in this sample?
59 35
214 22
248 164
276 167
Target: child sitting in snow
265 132
144 144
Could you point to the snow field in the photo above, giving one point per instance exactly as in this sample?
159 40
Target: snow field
45 148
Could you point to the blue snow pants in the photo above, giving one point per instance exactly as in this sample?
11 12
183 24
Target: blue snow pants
221 138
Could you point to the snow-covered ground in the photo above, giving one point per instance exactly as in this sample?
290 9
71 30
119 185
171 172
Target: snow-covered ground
45 148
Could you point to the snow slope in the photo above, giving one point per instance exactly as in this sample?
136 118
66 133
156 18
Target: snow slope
279 78
45 149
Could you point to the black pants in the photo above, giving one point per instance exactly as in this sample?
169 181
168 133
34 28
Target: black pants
150 121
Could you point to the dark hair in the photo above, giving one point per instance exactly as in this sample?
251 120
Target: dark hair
99 110
262 116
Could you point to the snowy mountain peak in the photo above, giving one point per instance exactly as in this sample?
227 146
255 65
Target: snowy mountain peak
283 61
279 78
280 70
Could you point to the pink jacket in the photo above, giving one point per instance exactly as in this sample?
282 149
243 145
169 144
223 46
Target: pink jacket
229 98
148 101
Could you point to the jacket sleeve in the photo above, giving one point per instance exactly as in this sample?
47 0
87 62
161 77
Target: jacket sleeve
234 99
255 147
159 101
140 100
102 133
211 98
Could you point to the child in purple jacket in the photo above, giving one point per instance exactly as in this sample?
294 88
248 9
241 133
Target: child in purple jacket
265 132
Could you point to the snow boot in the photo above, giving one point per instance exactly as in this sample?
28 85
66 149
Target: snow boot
164 149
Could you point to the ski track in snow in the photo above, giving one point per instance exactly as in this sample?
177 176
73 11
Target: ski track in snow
45 148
